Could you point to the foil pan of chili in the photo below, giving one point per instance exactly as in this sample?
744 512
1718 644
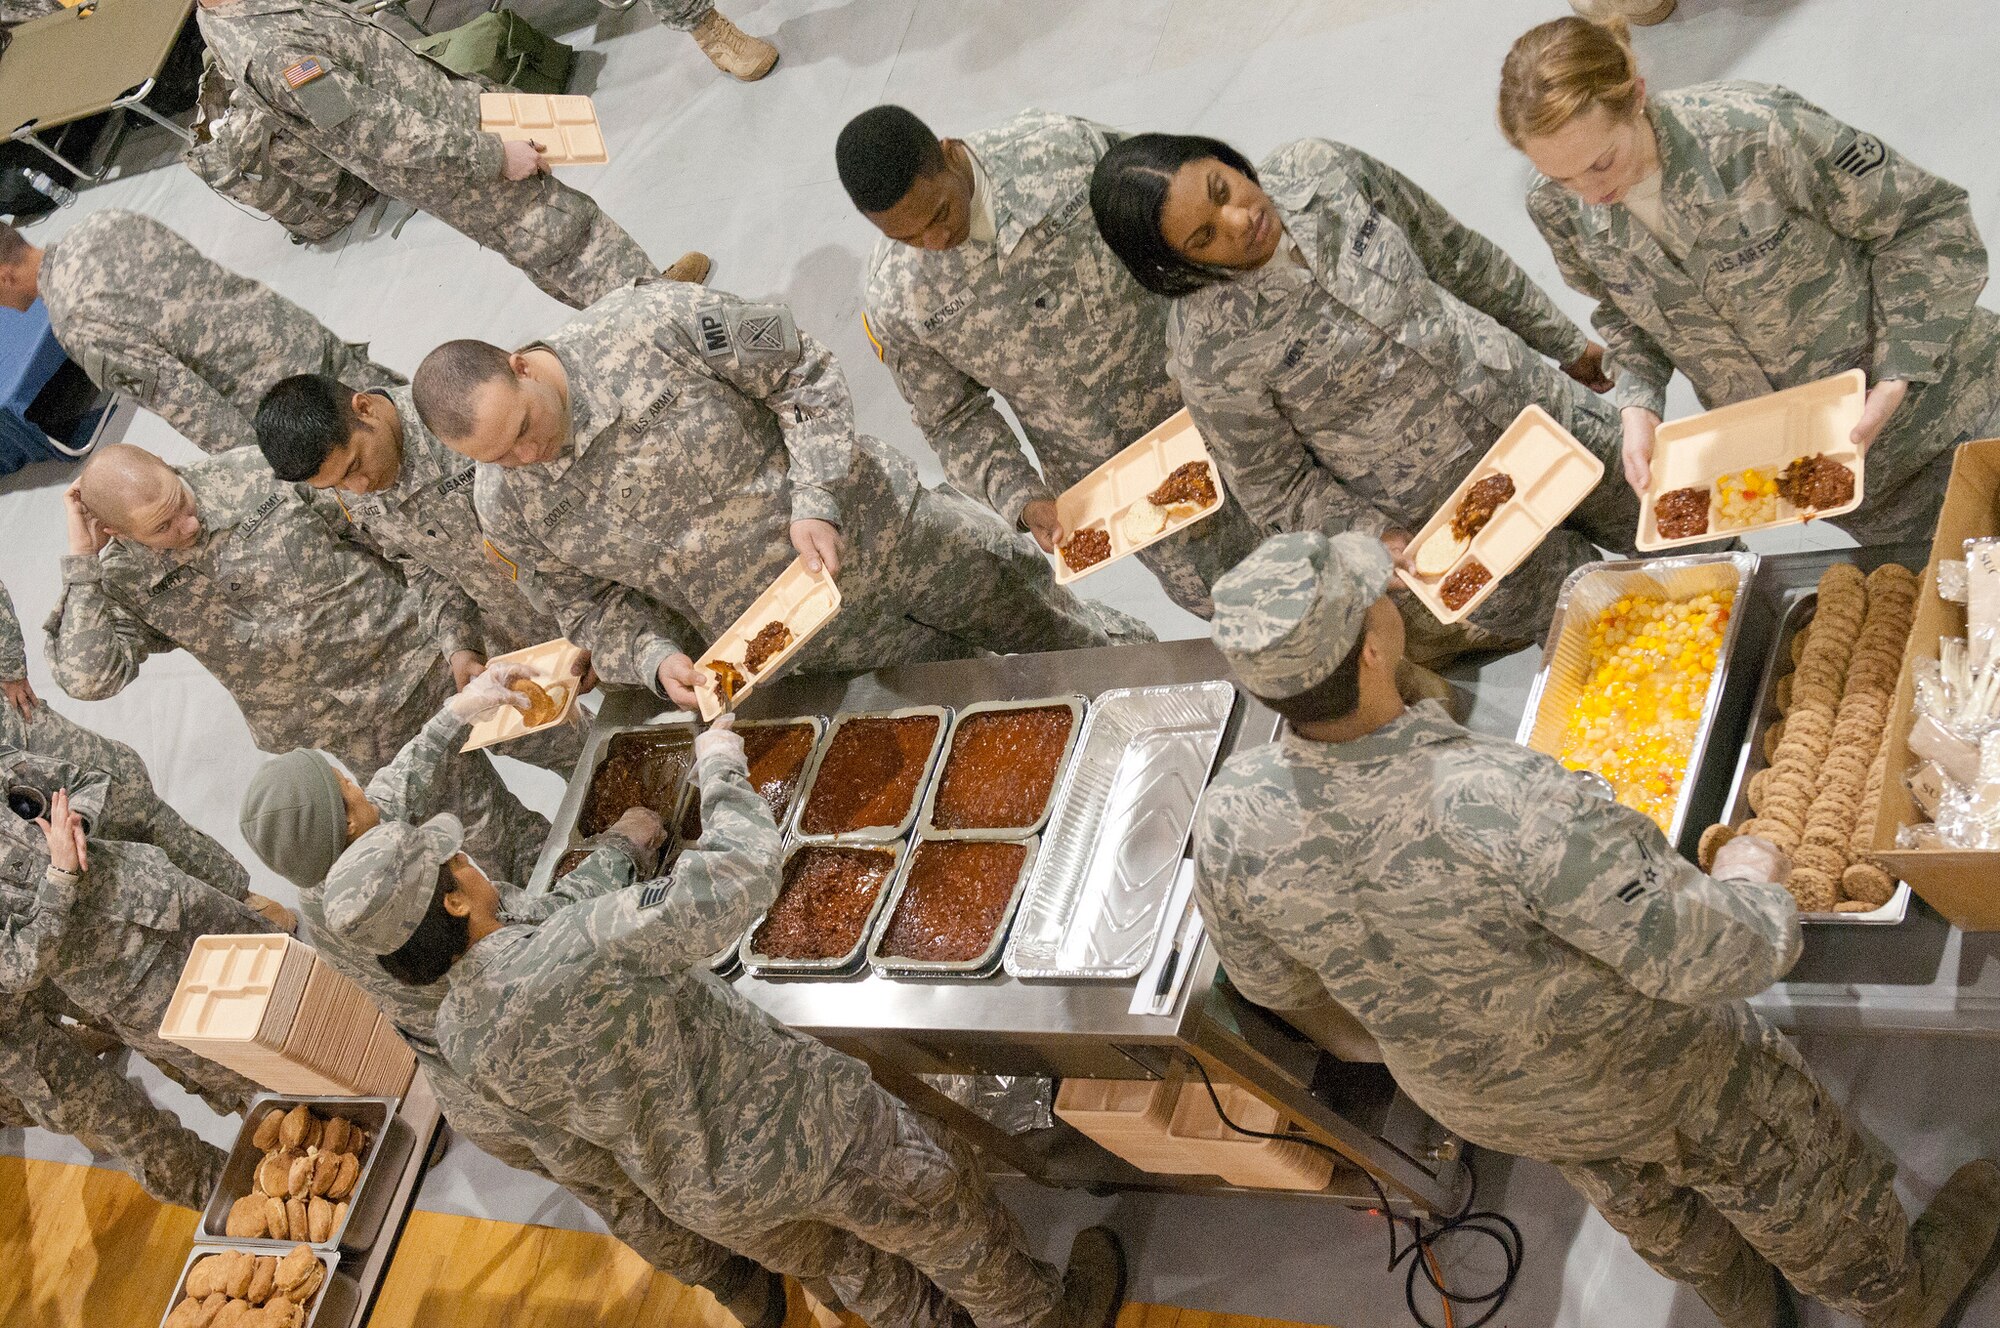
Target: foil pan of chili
1002 763
826 909
951 906
868 777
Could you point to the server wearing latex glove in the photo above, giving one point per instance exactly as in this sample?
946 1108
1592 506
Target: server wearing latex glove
314 635
367 456
1351 352
660 460
302 816
991 281
108 924
603 1022
1543 974
341 83
145 313
1742 235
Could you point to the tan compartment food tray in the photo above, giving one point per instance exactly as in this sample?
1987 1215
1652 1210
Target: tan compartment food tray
554 665
1100 499
1763 433
565 127
805 601
1552 473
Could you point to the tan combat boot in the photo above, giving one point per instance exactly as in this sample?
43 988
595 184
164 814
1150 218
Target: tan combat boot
1951 1243
732 50
1094 1283
691 267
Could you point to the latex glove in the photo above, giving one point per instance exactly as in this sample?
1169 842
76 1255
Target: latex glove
488 692
642 827
1752 858
87 534
1588 369
1640 425
521 159
721 736
465 666
20 694
819 543
1876 408
1397 542
63 831
678 678
1039 517
274 913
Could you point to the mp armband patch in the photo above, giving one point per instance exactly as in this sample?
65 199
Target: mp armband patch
1861 157
752 334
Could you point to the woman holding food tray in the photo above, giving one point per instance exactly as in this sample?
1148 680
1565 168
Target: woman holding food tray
1351 352
1738 233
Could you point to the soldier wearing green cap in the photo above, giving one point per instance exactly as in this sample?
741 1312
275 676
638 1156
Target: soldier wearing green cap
1543 973
301 818
603 1022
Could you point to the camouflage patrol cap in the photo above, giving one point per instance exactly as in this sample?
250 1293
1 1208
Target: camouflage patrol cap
380 890
1289 613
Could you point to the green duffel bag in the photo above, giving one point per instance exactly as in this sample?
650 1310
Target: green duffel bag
503 47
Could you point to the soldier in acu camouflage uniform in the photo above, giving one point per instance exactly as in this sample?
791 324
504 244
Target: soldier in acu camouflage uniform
298 819
992 278
1351 351
1740 234
604 1023
368 456
1543 974
315 636
143 312
49 1078
109 924
356 92
134 810
680 448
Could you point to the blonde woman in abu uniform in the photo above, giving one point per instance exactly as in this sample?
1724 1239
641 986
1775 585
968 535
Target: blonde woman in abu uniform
1738 233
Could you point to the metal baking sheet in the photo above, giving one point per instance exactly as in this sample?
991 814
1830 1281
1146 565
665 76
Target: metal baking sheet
1590 590
873 834
980 966
761 965
335 1302
1123 814
388 1148
1778 664
928 830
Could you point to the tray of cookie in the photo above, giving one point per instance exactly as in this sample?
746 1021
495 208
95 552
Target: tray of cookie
756 647
1809 775
1532 477
1158 486
316 1171
298 1287
1774 460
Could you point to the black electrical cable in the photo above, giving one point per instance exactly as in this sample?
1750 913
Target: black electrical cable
1496 1227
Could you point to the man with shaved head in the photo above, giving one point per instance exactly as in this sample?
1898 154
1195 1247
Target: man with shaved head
315 636
659 461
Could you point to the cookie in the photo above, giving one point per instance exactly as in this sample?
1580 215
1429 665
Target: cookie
349 1171
292 1134
246 1218
263 1279
266 1136
1867 884
1813 891
1712 839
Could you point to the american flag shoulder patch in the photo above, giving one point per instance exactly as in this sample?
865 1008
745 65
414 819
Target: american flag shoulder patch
304 72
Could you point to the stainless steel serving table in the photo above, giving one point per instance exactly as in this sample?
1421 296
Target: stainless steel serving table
904 1027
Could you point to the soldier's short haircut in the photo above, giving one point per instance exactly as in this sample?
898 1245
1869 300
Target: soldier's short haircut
1128 192
300 420
449 378
437 943
12 244
881 153
1333 697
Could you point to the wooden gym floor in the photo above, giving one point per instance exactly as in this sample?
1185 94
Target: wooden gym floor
84 1246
